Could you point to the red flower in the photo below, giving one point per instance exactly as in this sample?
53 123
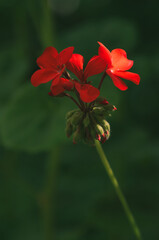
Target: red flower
51 64
96 65
117 66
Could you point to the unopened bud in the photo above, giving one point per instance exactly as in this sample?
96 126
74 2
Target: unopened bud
98 111
99 129
76 118
102 101
107 134
110 107
98 137
69 114
76 136
104 138
69 129
105 125
86 120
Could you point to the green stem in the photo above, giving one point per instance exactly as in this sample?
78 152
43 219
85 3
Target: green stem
74 100
47 28
102 79
118 190
49 195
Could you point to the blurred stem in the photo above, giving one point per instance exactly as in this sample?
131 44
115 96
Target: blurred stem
47 25
81 102
118 190
48 203
42 19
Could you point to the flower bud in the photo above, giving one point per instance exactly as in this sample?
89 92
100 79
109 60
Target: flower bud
110 107
86 120
107 134
76 118
99 129
98 110
77 136
89 125
105 125
69 129
102 101
69 114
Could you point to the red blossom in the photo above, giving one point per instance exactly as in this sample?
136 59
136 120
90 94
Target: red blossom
117 66
96 65
52 65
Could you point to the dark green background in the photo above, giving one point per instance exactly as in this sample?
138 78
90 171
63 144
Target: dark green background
50 188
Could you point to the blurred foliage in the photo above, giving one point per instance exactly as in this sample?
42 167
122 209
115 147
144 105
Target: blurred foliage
50 188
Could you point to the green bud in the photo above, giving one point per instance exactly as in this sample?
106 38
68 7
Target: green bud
99 129
69 114
97 118
98 110
76 136
88 126
105 125
69 129
107 134
86 120
102 101
109 107
76 118
88 136
93 133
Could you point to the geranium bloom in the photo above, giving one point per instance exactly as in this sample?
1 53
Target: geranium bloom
96 65
52 65
117 66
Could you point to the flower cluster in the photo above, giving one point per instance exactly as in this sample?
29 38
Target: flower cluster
88 122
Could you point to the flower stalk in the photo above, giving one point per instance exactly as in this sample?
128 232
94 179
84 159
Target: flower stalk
74 100
118 190
89 122
102 79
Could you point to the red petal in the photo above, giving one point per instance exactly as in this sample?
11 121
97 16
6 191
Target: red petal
59 85
117 81
56 87
64 55
47 59
120 61
75 65
67 84
95 66
87 92
104 53
43 76
133 77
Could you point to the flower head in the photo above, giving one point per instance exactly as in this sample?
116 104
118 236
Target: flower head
89 121
117 66
52 65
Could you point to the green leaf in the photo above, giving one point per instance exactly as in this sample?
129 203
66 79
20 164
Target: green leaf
33 121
